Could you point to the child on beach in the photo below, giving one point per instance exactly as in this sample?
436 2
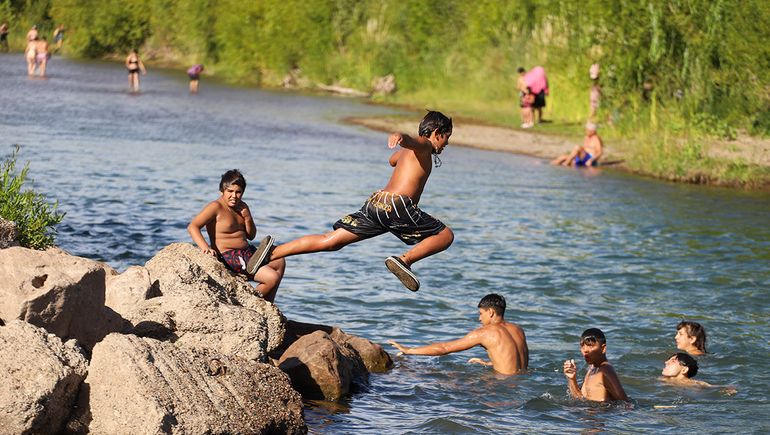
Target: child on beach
504 342
527 100
394 208
229 225
601 383
587 154
691 337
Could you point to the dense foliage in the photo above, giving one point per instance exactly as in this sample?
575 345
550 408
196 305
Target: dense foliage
35 218
706 63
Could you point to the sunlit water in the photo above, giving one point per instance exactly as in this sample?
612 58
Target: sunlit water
568 249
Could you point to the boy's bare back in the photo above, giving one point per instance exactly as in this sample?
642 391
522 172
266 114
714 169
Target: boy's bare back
506 346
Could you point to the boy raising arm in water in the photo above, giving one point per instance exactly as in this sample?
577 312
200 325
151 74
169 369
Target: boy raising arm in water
601 383
394 208
229 224
505 342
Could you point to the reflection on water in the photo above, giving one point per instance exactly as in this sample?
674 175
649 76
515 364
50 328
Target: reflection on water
568 249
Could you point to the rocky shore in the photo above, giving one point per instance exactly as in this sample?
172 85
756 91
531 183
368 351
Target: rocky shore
179 345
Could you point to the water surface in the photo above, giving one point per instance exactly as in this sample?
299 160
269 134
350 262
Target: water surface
568 249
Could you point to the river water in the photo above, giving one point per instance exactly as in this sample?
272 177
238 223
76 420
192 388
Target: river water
568 249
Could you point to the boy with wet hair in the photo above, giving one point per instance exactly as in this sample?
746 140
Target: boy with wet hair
601 383
681 368
394 208
229 225
691 337
504 342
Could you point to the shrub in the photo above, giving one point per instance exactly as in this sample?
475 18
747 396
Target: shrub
34 217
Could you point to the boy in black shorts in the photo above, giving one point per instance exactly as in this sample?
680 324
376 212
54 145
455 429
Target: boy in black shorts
394 208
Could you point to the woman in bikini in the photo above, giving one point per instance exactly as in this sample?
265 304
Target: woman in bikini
134 65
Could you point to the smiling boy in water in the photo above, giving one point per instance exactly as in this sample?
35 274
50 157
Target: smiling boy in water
601 383
681 368
505 342
229 225
394 208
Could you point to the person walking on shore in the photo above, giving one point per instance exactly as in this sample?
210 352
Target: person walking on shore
538 82
58 37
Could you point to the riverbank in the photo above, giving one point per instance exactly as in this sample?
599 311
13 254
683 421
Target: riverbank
748 157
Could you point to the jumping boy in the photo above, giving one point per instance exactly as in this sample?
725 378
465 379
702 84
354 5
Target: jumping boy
394 208
505 342
229 224
601 383
691 337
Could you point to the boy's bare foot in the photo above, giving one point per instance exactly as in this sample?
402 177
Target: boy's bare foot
403 273
260 255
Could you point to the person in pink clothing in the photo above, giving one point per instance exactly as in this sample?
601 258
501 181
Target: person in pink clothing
538 82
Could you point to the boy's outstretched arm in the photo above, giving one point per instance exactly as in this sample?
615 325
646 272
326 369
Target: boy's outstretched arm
405 141
206 215
435 349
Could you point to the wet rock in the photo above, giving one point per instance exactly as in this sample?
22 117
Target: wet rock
9 234
142 385
57 291
318 367
41 377
372 355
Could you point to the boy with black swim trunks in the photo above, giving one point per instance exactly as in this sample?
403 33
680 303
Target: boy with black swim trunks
229 224
394 208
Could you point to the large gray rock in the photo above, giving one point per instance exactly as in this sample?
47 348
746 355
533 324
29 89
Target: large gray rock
41 377
57 291
201 305
123 292
9 234
144 386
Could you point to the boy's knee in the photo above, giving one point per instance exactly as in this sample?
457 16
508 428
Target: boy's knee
449 235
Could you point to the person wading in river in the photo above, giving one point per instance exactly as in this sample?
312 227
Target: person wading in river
505 342
394 208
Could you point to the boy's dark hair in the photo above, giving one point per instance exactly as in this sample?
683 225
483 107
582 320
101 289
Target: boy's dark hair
694 329
592 335
435 121
233 176
689 362
520 70
495 302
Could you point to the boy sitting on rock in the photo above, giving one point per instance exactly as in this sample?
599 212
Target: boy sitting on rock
229 225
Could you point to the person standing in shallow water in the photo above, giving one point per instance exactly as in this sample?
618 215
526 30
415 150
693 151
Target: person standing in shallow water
194 73
4 37
134 65
504 342
394 208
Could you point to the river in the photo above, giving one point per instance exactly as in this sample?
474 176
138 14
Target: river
568 249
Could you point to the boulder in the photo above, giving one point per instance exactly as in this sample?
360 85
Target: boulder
372 355
318 367
192 299
142 385
57 291
9 234
124 291
41 377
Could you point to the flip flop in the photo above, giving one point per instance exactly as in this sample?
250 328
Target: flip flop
260 255
403 273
